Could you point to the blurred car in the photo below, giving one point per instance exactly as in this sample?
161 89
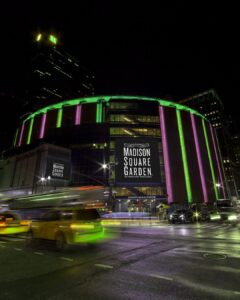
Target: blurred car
181 216
66 226
11 223
214 216
228 214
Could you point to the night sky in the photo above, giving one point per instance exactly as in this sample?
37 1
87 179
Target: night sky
167 50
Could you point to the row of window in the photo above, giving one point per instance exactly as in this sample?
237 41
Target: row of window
149 191
134 132
134 119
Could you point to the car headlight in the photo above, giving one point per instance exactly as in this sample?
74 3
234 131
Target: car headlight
232 217
215 217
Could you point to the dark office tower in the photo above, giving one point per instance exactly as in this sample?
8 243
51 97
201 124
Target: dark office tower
55 75
236 149
210 105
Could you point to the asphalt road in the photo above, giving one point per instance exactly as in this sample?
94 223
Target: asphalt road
199 261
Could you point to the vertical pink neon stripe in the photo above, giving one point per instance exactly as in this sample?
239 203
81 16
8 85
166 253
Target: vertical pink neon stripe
44 116
21 135
166 156
78 114
199 158
218 162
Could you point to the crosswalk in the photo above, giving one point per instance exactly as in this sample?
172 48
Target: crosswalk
11 238
205 226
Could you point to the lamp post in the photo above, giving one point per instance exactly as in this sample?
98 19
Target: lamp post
112 193
43 181
218 186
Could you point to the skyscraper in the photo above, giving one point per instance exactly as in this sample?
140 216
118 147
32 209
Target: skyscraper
55 75
211 106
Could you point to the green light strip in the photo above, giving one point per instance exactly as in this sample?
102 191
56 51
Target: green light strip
15 138
59 118
184 157
107 99
30 131
99 113
210 159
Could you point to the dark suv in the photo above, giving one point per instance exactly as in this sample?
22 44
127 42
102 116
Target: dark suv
181 216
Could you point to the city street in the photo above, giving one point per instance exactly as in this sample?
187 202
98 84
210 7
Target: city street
193 261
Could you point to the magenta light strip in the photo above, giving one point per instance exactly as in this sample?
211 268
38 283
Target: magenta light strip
166 156
42 131
78 114
199 158
218 163
21 135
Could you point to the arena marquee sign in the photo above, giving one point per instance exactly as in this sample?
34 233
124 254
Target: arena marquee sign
137 161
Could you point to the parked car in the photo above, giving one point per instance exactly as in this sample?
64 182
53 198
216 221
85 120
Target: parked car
11 223
181 216
66 226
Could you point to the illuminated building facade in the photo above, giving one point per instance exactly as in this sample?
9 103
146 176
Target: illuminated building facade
145 149
55 75
210 105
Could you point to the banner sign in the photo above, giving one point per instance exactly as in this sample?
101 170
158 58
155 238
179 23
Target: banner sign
58 169
137 161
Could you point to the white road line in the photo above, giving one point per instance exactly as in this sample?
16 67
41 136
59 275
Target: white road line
103 266
66 258
2 242
236 293
2 246
18 249
39 253
160 277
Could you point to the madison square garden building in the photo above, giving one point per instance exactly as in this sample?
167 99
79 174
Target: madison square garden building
144 149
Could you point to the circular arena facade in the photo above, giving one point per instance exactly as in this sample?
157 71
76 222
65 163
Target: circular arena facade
144 149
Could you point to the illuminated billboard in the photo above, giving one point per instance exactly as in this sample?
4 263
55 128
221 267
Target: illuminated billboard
58 169
137 161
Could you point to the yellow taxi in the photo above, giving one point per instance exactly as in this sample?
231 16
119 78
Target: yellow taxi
11 223
67 226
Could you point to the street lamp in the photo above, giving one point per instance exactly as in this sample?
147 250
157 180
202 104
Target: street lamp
218 185
105 166
43 180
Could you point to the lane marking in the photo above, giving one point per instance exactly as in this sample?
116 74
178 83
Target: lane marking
66 258
216 256
103 266
39 253
161 277
18 249
236 293
2 242
2 246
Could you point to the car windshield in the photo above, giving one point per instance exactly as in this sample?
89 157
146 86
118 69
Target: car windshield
180 211
87 214
226 209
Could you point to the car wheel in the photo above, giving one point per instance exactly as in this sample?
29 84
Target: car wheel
60 242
